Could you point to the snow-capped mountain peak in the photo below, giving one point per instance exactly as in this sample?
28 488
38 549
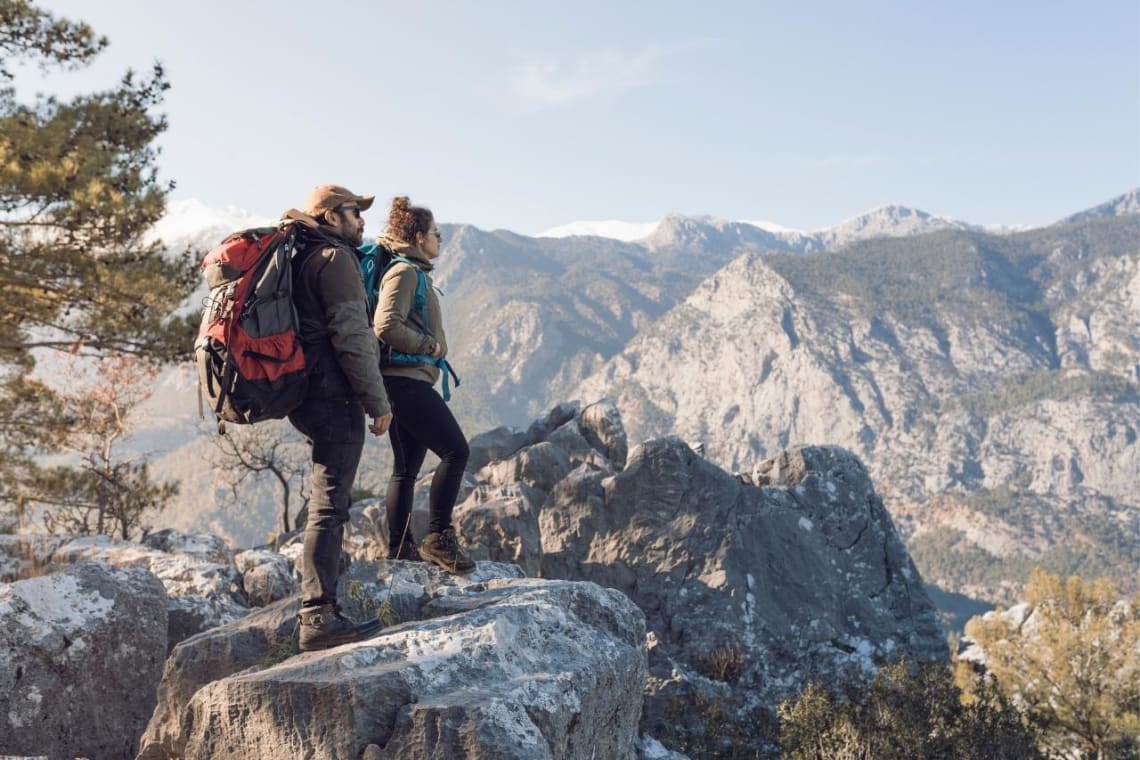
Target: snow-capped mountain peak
776 229
610 228
191 222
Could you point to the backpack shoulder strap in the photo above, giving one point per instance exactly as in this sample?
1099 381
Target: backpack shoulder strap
419 301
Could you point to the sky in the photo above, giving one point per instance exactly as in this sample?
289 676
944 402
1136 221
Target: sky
529 115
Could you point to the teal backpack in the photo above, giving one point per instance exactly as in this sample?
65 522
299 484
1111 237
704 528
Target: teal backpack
375 260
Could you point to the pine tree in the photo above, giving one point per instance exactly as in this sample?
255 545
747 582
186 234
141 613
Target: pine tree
78 191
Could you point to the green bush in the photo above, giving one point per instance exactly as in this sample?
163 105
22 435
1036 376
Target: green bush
904 712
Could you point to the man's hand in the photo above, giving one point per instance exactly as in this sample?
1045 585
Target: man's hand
380 425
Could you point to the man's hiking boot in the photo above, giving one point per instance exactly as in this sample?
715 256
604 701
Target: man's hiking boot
323 627
443 550
407 550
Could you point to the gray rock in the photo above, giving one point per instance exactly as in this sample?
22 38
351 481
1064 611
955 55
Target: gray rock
533 670
500 523
495 444
555 418
202 593
81 652
753 588
501 667
579 450
268 635
267 576
539 465
601 425
203 546
649 748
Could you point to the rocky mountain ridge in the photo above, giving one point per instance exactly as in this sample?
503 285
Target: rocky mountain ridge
990 382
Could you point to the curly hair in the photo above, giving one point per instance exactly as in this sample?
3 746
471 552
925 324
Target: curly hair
405 221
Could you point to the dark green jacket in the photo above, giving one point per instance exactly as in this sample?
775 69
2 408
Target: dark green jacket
336 333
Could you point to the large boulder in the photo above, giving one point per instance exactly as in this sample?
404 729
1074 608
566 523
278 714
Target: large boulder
494 445
204 588
81 653
601 425
750 584
501 524
485 665
747 589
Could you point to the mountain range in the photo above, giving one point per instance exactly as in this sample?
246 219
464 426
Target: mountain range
988 378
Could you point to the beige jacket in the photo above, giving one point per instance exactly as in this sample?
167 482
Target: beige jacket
397 324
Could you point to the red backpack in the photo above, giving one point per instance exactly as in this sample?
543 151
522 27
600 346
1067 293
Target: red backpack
250 363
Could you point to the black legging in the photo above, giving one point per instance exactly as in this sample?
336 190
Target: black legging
422 421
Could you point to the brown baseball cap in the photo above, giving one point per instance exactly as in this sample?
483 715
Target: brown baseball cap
327 197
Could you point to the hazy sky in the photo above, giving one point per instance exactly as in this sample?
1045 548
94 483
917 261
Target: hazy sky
527 115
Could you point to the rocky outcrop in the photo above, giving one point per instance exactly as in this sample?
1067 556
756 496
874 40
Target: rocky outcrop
80 652
747 589
487 665
742 587
750 584
204 588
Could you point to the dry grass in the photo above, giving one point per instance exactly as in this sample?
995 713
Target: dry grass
725 663
29 564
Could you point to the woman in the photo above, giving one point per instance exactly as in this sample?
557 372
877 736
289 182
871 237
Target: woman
413 346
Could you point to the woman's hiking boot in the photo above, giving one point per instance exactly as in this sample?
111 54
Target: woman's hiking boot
406 550
443 550
323 627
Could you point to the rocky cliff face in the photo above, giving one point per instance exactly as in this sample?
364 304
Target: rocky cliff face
989 383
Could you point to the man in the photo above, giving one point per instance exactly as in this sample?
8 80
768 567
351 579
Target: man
344 385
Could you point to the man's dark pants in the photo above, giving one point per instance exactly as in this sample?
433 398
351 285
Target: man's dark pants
335 431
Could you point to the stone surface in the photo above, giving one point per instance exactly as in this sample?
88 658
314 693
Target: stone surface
267 576
203 546
539 465
493 666
493 445
81 652
268 635
750 584
746 588
602 426
204 588
500 523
